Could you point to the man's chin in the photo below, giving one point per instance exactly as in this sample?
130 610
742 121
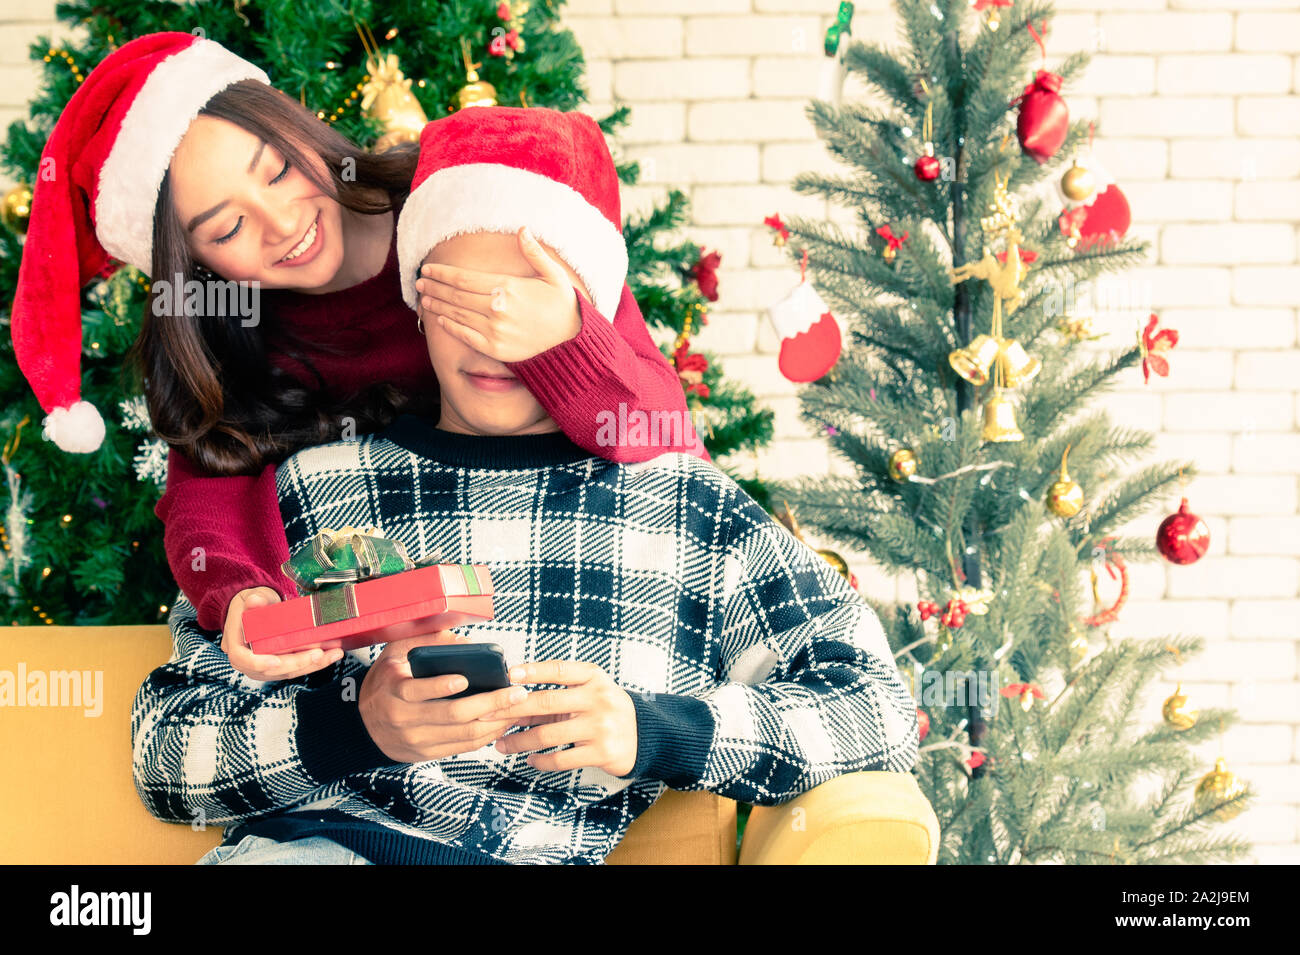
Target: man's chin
498 428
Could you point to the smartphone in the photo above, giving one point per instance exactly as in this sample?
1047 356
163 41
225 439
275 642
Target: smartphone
483 664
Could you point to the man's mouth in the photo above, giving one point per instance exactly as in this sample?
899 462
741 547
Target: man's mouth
492 380
304 244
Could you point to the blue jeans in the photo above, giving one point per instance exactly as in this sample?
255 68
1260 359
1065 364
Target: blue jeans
258 850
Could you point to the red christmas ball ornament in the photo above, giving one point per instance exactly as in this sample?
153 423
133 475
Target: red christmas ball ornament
927 168
922 722
1183 537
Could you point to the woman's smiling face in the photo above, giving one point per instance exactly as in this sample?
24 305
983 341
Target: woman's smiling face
250 215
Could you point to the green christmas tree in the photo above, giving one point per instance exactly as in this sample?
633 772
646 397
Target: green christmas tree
1033 752
81 542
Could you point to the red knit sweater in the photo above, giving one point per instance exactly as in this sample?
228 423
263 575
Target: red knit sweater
236 520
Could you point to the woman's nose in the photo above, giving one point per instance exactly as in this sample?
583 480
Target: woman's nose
281 224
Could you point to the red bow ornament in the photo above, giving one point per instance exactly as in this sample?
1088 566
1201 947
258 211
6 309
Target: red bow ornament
1154 344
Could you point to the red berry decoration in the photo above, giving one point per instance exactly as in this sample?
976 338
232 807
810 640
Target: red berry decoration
922 722
927 609
927 168
1183 538
955 614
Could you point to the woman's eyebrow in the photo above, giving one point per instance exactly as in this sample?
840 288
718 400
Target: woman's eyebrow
257 154
203 217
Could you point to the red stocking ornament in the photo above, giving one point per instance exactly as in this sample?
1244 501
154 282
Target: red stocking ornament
810 336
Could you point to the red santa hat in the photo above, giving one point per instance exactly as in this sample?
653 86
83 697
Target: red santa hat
94 197
496 168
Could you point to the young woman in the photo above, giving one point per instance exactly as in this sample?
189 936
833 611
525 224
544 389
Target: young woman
192 167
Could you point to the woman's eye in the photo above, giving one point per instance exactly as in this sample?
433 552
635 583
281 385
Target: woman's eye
231 234
283 172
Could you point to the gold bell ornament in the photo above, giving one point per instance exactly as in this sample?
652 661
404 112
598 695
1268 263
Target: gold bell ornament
1000 419
902 464
1018 368
1065 496
1176 711
1216 786
974 361
475 92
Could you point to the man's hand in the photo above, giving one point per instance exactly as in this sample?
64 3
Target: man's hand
506 317
409 720
266 666
593 712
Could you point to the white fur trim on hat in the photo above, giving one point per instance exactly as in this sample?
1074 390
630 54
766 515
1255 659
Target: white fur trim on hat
78 428
491 197
153 127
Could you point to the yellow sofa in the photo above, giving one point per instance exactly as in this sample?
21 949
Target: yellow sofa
67 796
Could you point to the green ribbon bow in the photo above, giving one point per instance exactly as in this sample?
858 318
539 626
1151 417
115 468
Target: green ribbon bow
841 27
331 564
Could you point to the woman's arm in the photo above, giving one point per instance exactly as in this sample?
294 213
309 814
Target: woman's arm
591 383
222 535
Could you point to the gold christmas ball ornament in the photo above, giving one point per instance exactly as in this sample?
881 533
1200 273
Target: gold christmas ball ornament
1078 183
836 561
902 464
1176 711
1065 497
17 209
1216 786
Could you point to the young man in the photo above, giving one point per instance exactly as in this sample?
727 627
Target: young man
687 638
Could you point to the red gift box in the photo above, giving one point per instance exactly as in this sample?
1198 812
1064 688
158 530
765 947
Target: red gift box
379 610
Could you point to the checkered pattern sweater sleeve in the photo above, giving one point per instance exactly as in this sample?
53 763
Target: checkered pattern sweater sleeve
805 685
755 670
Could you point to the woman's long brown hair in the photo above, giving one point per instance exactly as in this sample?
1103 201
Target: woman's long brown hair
211 390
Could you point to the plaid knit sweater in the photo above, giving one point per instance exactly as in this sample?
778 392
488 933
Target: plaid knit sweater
755 671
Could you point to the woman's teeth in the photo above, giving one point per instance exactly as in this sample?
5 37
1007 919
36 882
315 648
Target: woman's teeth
304 245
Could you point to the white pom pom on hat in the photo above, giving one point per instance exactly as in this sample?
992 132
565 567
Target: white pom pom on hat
78 429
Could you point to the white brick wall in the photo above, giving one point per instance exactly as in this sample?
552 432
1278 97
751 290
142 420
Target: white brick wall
1197 117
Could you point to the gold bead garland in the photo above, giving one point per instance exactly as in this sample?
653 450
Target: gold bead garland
67 58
